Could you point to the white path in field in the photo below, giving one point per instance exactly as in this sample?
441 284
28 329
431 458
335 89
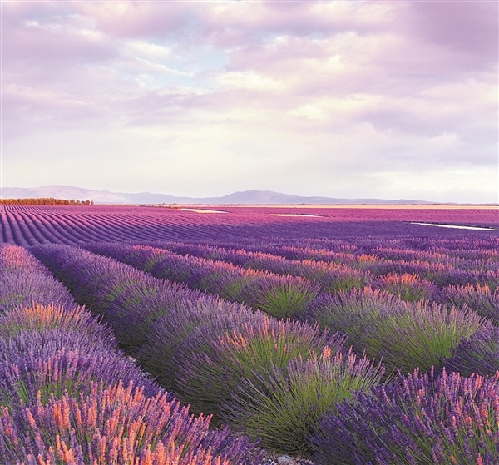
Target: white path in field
203 211
455 226
295 214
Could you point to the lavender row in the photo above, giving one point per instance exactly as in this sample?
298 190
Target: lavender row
23 280
341 275
406 335
470 248
278 295
67 395
330 276
475 265
444 419
214 354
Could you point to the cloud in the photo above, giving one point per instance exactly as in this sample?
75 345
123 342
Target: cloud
323 97
465 29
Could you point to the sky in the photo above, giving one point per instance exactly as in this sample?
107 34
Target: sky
346 99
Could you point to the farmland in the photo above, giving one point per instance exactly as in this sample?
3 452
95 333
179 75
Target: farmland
231 335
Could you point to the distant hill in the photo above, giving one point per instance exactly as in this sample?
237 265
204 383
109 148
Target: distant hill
251 197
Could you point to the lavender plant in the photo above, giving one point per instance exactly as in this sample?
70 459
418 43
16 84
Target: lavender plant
285 298
15 258
417 420
55 361
480 298
23 280
188 330
281 406
40 318
477 354
21 288
408 287
117 426
55 366
207 377
405 335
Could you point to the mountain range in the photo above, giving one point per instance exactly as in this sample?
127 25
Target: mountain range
250 197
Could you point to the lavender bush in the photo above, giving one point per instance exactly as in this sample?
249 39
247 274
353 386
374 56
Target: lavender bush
281 406
39 318
15 258
480 298
193 325
417 420
24 280
405 335
408 287
55 361
477 354
117 426
212 363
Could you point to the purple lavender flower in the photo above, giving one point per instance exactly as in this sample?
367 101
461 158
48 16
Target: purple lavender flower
418 419
55 361
117 425
404 334
39 318
477 354
481 298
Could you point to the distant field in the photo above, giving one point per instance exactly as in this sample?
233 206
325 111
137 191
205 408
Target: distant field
391 206
32 225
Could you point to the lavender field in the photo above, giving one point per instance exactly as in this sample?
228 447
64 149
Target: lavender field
168 336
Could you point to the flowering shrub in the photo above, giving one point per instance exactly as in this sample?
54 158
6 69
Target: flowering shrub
55 361
283 404
408 287
477 354
15 258
285 299
405 335
23 279
117 426
207 377
419 419
39 318
480 298
269 379
190 330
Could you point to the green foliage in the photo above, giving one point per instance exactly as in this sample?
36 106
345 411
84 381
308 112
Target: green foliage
286 300
210 371
405 335
282 405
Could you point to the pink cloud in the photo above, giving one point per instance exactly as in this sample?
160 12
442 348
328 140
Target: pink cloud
468 29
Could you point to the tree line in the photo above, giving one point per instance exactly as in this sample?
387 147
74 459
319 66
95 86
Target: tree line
45 201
